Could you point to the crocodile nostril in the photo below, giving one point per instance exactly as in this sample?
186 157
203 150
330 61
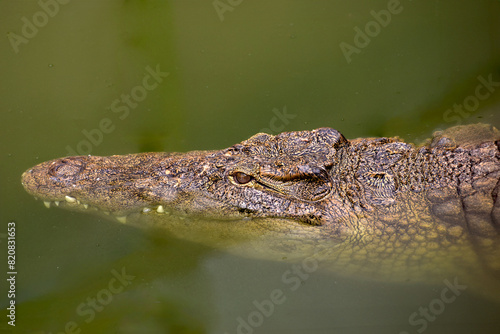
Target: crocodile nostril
66 167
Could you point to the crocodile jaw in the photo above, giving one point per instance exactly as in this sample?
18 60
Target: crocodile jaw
121 185
288 175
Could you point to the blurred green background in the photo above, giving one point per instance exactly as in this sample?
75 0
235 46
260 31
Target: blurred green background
234 68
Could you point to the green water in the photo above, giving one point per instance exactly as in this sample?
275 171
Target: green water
232 72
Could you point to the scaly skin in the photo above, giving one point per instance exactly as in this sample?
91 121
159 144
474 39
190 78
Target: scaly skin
369 207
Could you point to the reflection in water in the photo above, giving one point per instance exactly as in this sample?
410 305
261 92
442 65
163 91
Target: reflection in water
162 283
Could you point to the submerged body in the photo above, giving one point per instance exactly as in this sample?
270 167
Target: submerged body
369 207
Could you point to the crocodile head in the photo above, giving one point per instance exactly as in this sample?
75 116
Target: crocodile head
290 175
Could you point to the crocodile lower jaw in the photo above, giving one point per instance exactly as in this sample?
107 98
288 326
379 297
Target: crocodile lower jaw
74 204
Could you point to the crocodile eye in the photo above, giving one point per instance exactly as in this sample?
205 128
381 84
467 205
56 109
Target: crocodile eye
242 178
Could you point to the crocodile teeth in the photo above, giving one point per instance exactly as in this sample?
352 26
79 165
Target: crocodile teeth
70 199
145 210
86 206
160 209
47 204
122 219
56 203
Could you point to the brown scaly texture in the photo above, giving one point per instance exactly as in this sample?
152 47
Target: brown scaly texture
370 207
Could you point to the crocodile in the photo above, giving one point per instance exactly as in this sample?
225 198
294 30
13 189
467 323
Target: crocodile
376 208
